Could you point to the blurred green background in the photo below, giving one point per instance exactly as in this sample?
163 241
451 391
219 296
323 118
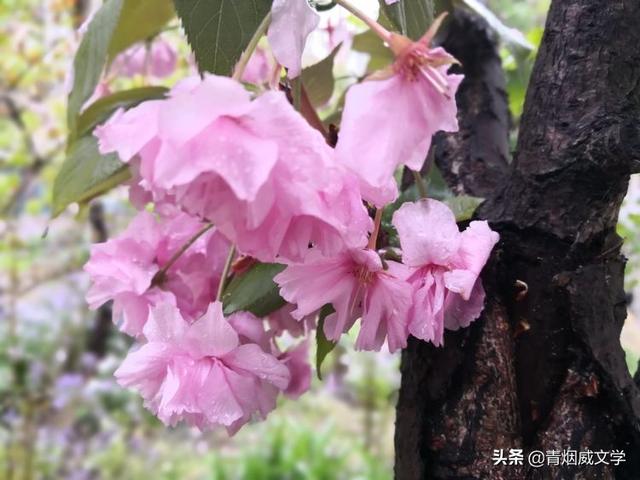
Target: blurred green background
61 414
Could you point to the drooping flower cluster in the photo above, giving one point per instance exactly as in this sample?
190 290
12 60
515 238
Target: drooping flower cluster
126 269
254 168
203 372
230 171
158 59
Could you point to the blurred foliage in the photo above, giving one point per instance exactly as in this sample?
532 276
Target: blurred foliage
61 414
527 16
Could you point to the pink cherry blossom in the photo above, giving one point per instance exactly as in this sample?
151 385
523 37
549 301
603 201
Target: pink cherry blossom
292 22
256 169
296 360
123 268
445 267
158 59
261 68
201 372
282 321
389 119
356 285
251 329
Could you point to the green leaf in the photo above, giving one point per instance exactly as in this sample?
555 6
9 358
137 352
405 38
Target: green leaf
318 80
101 109
86 174
380 55
139 20
463 206
412 18
437 186
219 30
324 346
91 58
254 291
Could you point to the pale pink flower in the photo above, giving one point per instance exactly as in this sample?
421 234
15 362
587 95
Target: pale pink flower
260 69
355 283
282 321
251 329
445 267
158 59
389 119
256 169
164 59
296 360
292 22
123 268
200 372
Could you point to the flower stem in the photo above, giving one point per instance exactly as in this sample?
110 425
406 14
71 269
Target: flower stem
225 272
159 277
378 29
251 47
373 239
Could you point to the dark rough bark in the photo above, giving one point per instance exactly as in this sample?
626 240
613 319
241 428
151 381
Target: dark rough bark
543 368
475 161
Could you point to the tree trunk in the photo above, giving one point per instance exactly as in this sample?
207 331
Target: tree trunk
543 368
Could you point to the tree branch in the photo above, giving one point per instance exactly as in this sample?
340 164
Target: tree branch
476 159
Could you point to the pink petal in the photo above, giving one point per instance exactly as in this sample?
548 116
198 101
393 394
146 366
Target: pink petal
427 313
460 281
211 334
296 360
250 358
165 325
227 149
348 309
127 132
282 321
144 369
188 112
250 329
385 315
134 309
292 22
475 248
476 244
372 106
402 115
428 232
459 313
216 399
316 282
125 263
163 59
260 68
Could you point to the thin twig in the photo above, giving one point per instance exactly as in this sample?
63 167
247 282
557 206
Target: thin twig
373 239
159 277
225 272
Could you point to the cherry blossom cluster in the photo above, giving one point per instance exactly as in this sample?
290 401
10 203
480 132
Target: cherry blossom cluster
230 171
